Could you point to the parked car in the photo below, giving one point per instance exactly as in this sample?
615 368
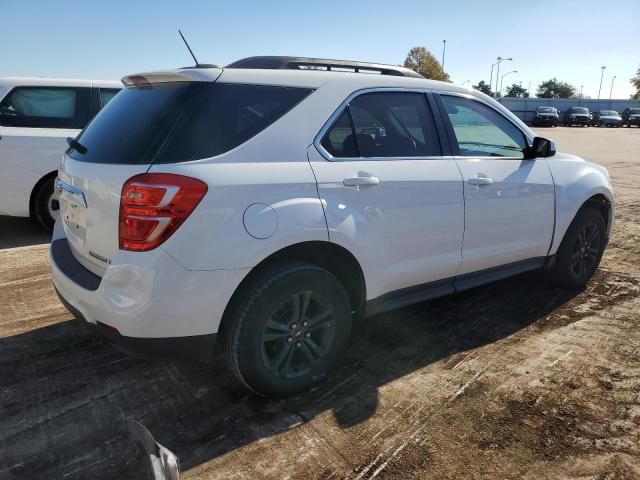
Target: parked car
546 116
36 117
577 116
257 207
607 118
631 116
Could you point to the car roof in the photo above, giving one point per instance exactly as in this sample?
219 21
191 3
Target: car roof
10 82
299 78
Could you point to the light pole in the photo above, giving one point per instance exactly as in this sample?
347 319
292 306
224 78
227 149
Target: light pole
499 59
601 77
444 49
501 78
611 90
498 72
581 87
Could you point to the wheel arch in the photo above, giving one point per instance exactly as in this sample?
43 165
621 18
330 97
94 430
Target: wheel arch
326 255
599 201
36 187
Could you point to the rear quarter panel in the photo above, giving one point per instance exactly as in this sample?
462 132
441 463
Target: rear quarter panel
215 236
27 155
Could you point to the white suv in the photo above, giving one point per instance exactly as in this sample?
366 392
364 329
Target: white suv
36 116
260 205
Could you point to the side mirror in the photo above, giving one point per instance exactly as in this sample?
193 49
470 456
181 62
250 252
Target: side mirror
162 463
541 147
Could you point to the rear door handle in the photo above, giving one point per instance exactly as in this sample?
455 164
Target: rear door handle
358 181
480 180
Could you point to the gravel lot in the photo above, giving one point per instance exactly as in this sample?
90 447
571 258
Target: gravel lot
511 380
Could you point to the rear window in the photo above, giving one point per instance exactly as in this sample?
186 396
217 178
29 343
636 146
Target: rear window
179 122
46 107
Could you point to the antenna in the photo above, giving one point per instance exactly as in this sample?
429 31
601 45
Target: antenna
188 47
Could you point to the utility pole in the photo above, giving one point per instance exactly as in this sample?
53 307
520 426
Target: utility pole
444 49
601 77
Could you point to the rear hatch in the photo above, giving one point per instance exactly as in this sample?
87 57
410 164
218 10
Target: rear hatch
123 140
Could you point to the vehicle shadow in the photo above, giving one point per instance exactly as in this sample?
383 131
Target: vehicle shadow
21 232
66 393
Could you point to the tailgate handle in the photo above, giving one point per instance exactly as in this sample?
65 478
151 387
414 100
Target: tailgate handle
61 186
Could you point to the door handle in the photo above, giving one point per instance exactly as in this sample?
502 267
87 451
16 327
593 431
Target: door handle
359 181
480 179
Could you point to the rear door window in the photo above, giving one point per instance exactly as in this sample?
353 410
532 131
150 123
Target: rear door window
179 122
46 107
384 124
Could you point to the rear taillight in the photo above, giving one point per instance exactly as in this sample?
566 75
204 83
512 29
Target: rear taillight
153 206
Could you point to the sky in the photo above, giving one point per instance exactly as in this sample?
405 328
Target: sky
567 39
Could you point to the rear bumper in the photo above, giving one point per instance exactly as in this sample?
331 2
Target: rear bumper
143 295
196 347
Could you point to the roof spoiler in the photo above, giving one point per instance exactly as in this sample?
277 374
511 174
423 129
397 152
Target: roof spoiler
201 74
306 63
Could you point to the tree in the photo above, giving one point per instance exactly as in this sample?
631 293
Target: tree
555 89
483 87
517 91
635 81
420 60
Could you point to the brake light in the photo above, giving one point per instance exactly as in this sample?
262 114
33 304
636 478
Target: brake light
153 206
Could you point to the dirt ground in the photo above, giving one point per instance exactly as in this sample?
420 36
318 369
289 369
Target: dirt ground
511 380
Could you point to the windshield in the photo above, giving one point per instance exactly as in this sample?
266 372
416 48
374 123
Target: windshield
634 111
546 110
579 110
179 122
608 113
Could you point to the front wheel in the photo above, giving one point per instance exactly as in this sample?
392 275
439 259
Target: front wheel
288 329
46 205
581 250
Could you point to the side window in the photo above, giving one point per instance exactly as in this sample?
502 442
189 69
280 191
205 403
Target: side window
106 94
481 131
340 140
391 124
385 124
45 107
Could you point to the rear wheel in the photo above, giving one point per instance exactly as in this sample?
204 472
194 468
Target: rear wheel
581 250
46 205
288 330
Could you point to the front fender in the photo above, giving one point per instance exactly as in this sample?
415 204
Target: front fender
576 181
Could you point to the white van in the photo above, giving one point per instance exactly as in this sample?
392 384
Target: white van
36 117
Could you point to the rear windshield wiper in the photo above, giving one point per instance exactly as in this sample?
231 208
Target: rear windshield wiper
76 145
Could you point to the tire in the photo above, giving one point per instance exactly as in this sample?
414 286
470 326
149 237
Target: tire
581 250
273 350
45 205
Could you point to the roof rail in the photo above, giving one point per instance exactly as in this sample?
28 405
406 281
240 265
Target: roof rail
305 63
